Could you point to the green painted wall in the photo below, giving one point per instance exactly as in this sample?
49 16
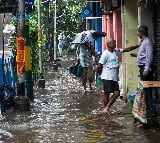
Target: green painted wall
130 26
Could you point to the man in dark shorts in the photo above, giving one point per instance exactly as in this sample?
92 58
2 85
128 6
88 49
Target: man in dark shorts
109 63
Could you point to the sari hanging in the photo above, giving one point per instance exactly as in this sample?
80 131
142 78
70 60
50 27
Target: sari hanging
139 109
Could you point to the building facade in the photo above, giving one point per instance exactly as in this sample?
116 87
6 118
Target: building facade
120 20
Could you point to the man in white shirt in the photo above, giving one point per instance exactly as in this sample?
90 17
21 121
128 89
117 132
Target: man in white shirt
109 65
85 53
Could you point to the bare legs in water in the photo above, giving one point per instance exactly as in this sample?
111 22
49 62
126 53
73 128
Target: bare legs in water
109 100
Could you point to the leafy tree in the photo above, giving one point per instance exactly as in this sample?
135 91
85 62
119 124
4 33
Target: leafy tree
69 21
67 11
33 30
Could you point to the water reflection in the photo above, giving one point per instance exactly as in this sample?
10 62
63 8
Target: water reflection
63 113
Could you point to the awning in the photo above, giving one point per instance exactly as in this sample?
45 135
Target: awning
110 5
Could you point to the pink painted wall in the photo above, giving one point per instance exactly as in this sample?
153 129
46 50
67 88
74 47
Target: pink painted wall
117 29
111 24
104 29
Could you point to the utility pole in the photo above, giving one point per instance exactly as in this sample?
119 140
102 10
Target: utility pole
20 61
20 50
55 32
21 18
41 82
55 65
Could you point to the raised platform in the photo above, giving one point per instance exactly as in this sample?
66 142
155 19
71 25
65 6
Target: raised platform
147 84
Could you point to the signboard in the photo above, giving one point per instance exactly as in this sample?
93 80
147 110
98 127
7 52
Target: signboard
86 12
31 2
29 6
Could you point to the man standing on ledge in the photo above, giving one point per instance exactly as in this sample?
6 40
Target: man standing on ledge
145 64
145 54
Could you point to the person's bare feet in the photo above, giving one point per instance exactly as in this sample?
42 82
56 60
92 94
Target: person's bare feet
84 88
139 124
90 88
106 110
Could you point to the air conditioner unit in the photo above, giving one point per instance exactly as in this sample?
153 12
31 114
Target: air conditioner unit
7 6
108 5
116 4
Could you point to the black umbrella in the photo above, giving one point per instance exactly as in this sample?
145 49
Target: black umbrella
98 34
88 35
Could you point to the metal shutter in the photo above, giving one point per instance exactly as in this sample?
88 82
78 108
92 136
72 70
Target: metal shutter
157 45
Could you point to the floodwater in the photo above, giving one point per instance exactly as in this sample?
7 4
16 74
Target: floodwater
63 113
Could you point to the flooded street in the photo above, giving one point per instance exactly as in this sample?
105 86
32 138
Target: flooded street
63 113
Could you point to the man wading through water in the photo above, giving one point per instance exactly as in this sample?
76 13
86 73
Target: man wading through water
109 68
85 53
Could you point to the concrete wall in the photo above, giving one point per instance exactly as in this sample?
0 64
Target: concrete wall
129 36
146 16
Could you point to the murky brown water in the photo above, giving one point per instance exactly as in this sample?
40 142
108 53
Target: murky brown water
62 113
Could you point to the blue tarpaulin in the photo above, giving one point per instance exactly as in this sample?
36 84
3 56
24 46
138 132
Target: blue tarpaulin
7 73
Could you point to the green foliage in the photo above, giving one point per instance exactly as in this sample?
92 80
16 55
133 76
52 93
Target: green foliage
13 44
33 37
68 23
33 30
14 35
67 12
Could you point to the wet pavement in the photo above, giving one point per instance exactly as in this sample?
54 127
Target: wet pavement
63 113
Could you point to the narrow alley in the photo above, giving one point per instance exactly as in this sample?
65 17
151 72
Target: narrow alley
63 113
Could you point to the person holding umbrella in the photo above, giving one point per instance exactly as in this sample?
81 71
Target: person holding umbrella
108 67
85 53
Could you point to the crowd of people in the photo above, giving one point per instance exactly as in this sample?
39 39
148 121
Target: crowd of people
65 45
108 65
